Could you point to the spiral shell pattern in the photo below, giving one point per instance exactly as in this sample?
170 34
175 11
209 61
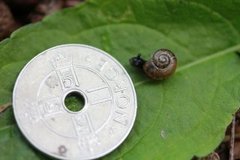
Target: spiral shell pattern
162 65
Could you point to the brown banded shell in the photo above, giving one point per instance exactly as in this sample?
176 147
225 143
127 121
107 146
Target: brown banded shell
162 65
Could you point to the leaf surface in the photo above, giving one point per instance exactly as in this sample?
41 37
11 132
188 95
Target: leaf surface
180 117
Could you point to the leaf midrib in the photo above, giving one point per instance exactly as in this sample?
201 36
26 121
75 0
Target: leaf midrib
184 67
199 61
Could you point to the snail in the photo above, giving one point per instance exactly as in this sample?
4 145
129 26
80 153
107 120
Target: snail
162 64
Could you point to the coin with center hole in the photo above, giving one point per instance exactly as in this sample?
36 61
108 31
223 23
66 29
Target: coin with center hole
74 102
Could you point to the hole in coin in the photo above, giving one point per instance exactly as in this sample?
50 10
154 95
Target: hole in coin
74 101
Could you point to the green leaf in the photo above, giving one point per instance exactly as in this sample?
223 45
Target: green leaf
177 118
13 144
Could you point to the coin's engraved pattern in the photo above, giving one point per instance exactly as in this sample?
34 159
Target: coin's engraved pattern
97 96
88 143
52 82
90 123
112 131
61 61
62 150
65 71
120 92
88 59
31 113
108 114
111 73
50 107
122 101
122 98
75 77
66 77
101 101
120 86
82 125
87 138
101 64
121 117
96 89
100 94
83 144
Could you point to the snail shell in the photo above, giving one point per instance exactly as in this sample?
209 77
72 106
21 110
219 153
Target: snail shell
162 65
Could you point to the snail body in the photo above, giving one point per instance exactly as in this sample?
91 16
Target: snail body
162 64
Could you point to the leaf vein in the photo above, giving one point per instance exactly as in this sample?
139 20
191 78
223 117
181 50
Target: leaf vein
200 61
218 14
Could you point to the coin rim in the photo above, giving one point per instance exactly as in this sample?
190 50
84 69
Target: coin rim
32 142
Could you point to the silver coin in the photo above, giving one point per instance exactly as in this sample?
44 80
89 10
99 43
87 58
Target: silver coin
109 108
